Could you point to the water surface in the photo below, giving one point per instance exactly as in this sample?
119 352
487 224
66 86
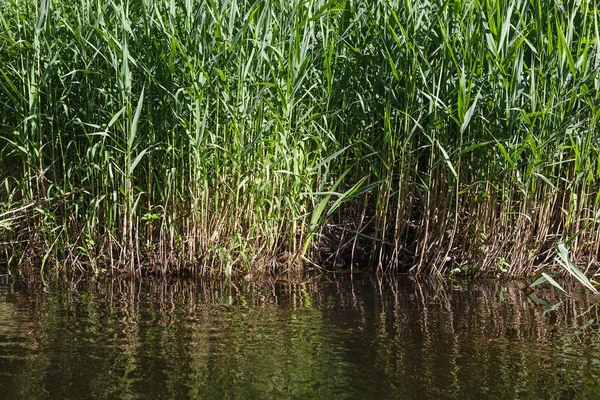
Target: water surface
354 337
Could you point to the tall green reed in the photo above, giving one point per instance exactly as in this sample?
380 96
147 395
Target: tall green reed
207 136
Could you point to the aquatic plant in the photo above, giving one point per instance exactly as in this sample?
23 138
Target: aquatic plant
213 137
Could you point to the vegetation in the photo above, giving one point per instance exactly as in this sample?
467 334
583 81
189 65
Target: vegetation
236 135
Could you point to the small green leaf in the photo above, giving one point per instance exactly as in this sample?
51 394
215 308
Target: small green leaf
554 283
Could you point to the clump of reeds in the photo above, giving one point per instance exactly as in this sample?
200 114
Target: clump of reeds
206 135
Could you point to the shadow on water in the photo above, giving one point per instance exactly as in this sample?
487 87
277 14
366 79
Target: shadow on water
354 337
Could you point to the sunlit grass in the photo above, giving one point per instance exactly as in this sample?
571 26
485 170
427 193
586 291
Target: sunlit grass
209 136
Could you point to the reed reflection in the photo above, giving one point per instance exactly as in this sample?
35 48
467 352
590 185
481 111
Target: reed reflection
349 337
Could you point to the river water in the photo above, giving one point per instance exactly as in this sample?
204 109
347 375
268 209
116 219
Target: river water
352 337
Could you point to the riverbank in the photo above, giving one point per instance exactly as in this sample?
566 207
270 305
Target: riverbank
261 136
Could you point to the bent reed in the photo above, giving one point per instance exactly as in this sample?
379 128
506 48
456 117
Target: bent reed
217 137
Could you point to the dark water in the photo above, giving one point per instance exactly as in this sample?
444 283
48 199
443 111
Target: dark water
356 338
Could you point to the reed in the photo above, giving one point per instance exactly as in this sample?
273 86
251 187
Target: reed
230 136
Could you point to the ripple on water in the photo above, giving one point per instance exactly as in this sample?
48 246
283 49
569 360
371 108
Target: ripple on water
352 338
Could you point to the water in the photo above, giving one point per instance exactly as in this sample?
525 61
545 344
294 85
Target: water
355 338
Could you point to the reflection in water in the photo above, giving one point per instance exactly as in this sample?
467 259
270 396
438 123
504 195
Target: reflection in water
360 337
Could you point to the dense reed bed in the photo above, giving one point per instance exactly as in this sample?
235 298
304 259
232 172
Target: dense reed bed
239 135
